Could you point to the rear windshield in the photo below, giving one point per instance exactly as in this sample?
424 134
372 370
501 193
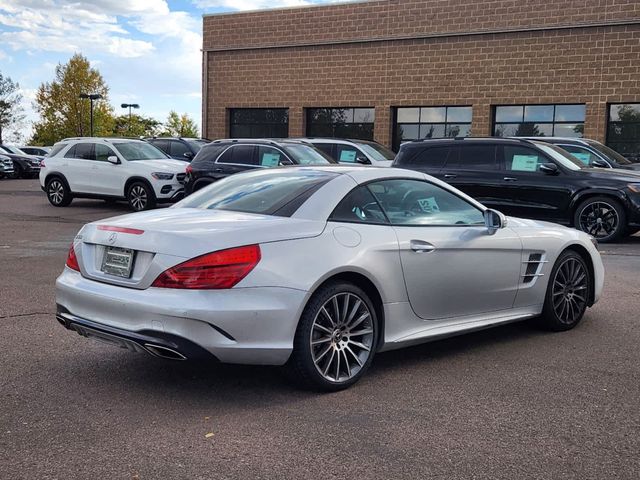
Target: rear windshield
196 144
133 151
265 192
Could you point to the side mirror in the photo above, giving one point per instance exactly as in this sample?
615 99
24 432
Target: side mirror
549 168
113 159
494 220
363 161
188 155
600 164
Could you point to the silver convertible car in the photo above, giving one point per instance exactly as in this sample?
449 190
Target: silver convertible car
319 269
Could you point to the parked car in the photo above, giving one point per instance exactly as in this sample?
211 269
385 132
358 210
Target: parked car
24 166
319 268
6 166
354 151
111 169
222 158
179 148
41 151
533 179
592 153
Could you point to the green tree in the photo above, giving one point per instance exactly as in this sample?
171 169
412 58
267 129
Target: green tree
180 126
63 113
140 126
11 111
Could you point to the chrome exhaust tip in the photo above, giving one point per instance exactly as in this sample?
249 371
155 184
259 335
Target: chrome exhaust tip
163 352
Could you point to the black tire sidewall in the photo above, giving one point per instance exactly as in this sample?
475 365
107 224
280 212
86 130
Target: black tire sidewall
301 364
66 197
151 198
622 217
549 317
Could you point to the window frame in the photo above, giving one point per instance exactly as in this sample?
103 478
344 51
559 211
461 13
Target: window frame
553 123
389 223
271 125
396 141
611 123
502 161
309 123
255 153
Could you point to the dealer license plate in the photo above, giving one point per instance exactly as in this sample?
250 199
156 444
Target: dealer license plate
118 261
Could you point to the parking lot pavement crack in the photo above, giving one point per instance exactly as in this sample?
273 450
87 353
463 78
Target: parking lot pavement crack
18 315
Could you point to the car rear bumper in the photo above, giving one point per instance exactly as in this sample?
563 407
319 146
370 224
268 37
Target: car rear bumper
239 325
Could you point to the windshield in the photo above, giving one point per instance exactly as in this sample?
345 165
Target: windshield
307 155
132 151
561 156
376 151
196 144
263 192
610 153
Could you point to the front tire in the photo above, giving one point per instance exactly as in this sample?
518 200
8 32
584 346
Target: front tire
58 192
336 338
602 217
140 197
567 292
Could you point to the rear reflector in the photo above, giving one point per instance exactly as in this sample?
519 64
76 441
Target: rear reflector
109 228
188 170
217 270
72 260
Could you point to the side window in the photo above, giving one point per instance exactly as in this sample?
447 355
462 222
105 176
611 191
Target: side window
82 151
359 206
418 203
326 148
56 149
582 154
348 154
178 149
102 152
433 157
269 156
477 157
161 144
71 153
522 159
239 154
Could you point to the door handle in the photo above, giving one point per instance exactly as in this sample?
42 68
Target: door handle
217 170
450 175
510 179
419 246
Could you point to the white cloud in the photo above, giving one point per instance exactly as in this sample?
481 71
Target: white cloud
251 4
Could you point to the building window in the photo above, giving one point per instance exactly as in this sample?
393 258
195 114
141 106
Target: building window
354 123
623 131
539 121
415 123
259 123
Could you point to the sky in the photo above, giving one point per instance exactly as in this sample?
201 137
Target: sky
148 51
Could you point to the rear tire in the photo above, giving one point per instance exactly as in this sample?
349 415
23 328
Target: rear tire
602 217
336 338
567 292
140 197
58 192
18 172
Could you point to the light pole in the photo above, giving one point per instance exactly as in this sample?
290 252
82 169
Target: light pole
130 106
91 97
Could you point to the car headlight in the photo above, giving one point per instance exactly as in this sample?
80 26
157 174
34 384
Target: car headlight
162 176
634 187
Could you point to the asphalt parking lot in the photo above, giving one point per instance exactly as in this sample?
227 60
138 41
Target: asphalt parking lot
512 402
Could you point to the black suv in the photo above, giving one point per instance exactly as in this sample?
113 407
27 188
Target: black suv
24 166
532 179
591 152
222 158
177 147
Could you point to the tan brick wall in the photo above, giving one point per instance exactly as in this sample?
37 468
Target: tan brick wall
593 65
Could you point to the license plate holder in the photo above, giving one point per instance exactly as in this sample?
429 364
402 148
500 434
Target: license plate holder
118 261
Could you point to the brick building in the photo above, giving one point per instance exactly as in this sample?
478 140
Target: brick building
394 70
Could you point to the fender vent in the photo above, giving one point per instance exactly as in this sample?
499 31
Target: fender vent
533 265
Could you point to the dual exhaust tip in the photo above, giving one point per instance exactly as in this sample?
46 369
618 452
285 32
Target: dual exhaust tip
163 352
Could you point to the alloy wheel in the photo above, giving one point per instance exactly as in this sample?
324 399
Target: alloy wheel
599 219
56 192
342 337
570 289
138 196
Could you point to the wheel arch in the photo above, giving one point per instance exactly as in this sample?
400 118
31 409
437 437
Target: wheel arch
366 284
584 253
56 175
132 180
587 194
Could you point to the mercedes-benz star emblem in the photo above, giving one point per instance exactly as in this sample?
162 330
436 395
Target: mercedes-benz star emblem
112 238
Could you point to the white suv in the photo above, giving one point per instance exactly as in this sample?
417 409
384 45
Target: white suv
343 150
112 169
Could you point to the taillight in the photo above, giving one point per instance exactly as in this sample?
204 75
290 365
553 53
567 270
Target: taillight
72 260
188 170
42 165
217 270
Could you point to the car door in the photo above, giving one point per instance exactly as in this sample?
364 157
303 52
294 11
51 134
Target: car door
110 177
453 265
78 168
473 168
527 191
236 159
